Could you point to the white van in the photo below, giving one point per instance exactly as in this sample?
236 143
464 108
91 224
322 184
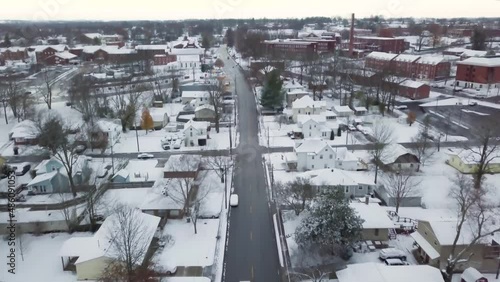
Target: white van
395 262
233 200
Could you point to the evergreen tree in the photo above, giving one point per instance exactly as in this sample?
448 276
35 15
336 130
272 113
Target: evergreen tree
272 93
478 39
230 37
339 132
332 223
332 135
206 40
6 40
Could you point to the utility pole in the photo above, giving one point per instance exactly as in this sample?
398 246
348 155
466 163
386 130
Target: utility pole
225 186
137 138
112 154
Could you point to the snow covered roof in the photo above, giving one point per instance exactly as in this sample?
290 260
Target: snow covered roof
312 145
205 106
474 53
425 245
328 177
157 198
196 124
375 38
412 84
189 163
122 172
406 58
378 272
471 275
394 151
66 55
472 157
43 177
292 85
301 119
100 244
481 62
431 60
374 215
446 230
108 126
151 47
188 58
344 155
93 35
24 129
195 94
360 109
307 101
186 51
42 167
381 56
297 91
41 48
342 109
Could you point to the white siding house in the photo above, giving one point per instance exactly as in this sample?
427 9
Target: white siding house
200 97
313 126
196 133
307 106
317 154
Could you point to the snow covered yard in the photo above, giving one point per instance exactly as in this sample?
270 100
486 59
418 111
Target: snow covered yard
41 259
187 248
144 170
151 142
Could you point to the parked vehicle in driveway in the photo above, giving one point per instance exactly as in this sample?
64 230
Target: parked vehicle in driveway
395 262
392 253
145 156
473 103
402 107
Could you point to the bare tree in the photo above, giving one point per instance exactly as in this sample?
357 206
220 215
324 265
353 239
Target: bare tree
129 244
400 185
311 274
54 136
485 153
220 165
23 241
5 103
67 210
46 91
83 99
296 194
477 216
423 148
216 93
383 135
126 107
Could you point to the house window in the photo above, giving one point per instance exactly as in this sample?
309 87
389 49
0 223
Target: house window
320 157
376 231
360 187
191 133
347 189
325 166
312 157
312 166
331 156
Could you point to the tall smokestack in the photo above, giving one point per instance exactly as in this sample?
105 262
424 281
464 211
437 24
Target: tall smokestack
351 38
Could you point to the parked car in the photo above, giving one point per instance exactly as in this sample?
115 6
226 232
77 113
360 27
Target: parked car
145 156
177 144
402 107
166 146
395 262
472 103
170 269
392 253
351 127
233 200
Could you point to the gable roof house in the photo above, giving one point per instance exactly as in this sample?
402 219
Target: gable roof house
307 106
379 272
317 154
435 240
182 166
205 112
24 133
467 161
315 126
398 157
163 199
376 223
51 176
353 183
93 254
196 133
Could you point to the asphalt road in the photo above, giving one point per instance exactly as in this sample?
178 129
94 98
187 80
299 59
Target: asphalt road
251 253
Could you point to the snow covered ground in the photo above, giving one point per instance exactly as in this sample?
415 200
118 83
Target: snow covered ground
151 142
41 259
144 170
187 248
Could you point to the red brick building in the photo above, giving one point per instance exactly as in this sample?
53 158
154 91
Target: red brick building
478 72
324 45
149 51
431 68
289 46
162 59
379 60
414 90
45 53
14 53
404 65
382 44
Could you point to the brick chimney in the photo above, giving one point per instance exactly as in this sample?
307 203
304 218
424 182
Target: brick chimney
351 38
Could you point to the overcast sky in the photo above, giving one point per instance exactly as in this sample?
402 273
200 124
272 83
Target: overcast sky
182 9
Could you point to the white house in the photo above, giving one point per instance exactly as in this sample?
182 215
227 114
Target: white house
314 154
343 111
307 106
354 183
379 272
313 126
196 133
189 61
200 97
398 157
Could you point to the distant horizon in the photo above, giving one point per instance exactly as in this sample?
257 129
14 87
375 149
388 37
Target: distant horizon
151 10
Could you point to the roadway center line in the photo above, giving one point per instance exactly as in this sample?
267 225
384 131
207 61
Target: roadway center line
251 236
251 271
251 209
